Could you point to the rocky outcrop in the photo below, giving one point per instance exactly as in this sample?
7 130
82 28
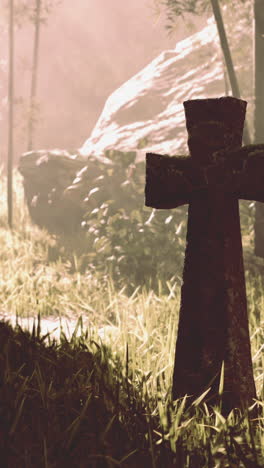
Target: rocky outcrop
144 115
60 187
104 179
46 175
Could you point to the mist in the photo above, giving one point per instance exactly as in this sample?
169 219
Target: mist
87 50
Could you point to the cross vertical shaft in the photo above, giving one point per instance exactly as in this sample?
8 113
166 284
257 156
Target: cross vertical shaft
213 321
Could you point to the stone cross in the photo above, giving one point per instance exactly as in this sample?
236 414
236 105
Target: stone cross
213 322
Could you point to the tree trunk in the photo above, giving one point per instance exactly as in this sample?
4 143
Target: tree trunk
228 60
10 118
31 120
259 111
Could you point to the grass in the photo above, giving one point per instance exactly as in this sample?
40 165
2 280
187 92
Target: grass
92 402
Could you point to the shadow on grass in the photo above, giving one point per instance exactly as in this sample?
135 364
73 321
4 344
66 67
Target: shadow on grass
66 405
74 404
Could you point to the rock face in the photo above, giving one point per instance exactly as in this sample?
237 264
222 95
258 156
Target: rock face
147 111
144 115
60 187
103 179
46 176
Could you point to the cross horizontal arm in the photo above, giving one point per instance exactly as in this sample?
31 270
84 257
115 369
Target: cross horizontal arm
166 186
243 171
172 181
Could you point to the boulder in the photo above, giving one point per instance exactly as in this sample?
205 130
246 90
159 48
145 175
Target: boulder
146 113
46 175
104 179
60 187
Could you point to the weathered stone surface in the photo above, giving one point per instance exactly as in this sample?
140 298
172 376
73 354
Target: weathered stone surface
46 175
60 188
173 180
101 180
213 323
146 111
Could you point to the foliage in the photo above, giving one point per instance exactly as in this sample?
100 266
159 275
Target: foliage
25 10
143 246
179 7
196 7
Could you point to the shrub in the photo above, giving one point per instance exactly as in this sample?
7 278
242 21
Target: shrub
137 243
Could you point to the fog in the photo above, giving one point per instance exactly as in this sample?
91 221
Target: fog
87 50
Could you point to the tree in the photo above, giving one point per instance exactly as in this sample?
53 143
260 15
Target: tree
20 13
228 59
10 119
34 75
33 12
37 14
259 111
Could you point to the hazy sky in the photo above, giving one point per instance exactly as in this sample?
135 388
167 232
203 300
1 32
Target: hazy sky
88 48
